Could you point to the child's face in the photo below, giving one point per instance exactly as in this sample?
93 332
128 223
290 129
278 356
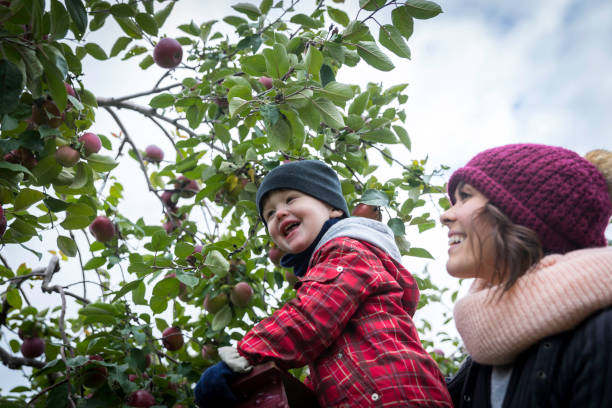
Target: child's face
295 219
471 250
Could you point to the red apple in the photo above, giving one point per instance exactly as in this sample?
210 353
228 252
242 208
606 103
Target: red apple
154 153
241 294
2 223
94 375
102 228
266 82
368 211
166 198
168 53
32 347
91 143
192 259
141 398
213 305
172 338
275 254
70 90
170 226
21 156
67 156
186 187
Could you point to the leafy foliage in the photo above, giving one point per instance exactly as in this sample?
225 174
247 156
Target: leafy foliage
228 129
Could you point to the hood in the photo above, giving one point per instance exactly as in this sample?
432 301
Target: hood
364 229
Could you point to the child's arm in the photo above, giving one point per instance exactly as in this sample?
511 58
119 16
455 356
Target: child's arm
331 292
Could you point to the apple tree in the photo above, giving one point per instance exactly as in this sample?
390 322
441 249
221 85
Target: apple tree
239 97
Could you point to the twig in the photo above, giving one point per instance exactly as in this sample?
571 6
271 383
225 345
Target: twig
145 93
49 388
14 362
165 132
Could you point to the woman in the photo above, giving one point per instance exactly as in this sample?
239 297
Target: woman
528 223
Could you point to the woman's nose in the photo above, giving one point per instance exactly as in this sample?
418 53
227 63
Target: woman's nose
446 217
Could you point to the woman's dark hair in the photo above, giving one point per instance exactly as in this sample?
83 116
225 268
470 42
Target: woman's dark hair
517 248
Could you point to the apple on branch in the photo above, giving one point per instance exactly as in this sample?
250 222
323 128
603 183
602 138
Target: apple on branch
102 228
94 375
265 81
215 303
241 294
368 211
32 347
168 53
141 398
172 338
154 154
91 143
67 156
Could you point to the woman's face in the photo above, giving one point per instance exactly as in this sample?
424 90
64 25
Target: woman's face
471 251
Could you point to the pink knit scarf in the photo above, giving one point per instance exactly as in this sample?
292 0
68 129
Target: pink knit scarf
553 296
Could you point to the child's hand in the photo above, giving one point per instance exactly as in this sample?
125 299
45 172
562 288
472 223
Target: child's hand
212 390
234 360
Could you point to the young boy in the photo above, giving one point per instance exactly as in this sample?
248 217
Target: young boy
351 319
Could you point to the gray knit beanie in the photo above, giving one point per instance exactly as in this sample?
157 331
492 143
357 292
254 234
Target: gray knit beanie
310 177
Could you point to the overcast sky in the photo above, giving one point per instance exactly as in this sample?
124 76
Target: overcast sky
482 74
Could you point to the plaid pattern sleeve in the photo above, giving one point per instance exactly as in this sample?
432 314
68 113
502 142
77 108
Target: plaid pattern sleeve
351 321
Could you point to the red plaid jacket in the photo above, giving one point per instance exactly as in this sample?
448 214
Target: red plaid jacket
351 322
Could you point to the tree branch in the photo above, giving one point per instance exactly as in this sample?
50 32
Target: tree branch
14 362
145 93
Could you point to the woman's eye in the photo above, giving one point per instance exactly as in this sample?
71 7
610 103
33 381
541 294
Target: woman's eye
463 195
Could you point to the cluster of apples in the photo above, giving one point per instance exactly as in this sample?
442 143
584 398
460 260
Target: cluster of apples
183 187
69 155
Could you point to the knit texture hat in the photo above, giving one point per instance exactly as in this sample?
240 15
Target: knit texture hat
310 177
552 190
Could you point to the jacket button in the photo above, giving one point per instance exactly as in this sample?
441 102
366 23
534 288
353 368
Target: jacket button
339 355
375 397
541 374
339 269
547 345
467 398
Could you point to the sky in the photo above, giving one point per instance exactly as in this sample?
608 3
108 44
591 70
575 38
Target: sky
482 74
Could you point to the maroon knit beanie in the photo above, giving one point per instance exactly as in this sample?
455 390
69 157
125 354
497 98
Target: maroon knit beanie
553 191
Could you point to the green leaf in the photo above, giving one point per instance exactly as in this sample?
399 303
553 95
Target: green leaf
217 263
162 101
359 104
402 20
46 170
128 27
254 65
279 134
60 20
265 6
162 15
355 31
222 133
403 136
67 246
14 298
11 82
222 318
160 240
96 51
380 135
375 197
237 106
138 294
101 163
330 114
338 16
122 10
420 253
120 45
26 198
251 10
336 92
14 167
422 9
397 226
390 38
94 263
277 62
59 396
78 13
158 304
327 74
167 287
147 23
55 205
75 221
314 60
183 249
306 21
369 51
